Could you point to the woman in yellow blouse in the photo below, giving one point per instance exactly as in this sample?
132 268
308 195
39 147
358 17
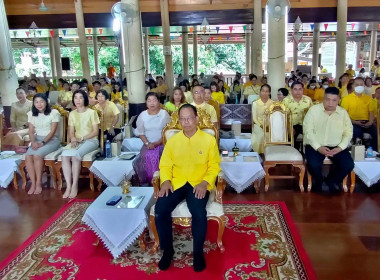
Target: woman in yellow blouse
176 100
19 119
258 108
216 94
311 88
320 92
110 114
116 95
83 130
343 82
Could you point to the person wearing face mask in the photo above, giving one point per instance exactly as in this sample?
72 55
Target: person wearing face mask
310 90
320 92
361 109
289 84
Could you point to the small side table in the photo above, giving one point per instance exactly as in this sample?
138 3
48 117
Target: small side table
240 174
112 171
118 228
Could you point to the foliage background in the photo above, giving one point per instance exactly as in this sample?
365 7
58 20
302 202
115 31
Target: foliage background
227 58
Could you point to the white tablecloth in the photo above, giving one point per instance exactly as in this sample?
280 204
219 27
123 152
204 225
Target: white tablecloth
132 144
241 174
243 142
118 228
113 171
368 171
8 166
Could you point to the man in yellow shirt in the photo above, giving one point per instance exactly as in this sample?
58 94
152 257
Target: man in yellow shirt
298 104
328 131
189 166
253 88
33 83
350 71
161 89
361 109
97 86
105 86
199 103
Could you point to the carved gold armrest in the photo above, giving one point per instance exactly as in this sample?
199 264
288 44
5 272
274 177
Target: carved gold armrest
220 187
156 183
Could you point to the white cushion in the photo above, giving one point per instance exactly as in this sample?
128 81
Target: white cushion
171 132
91 155
282 153
278 127
54 155
209 131
213 208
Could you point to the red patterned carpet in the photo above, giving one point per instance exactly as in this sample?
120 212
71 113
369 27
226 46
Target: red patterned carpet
261 242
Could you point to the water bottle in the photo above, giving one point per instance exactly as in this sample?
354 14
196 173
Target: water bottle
108 149
369 152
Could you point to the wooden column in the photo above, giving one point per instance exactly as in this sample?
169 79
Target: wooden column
195 50
316 45
8 77
257 41
341 36
248 49
96 53
167 47
146 50
185 52
82 39
57 53
52 59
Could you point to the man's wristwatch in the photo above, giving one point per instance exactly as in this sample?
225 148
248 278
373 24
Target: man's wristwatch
146 143
43 142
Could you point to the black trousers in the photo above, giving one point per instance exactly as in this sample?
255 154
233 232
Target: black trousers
342 165
109 136
197 207
297 131
358 133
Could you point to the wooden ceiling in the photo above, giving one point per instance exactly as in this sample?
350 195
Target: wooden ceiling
60 13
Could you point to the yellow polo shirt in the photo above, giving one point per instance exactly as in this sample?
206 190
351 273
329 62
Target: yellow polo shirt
109 113
65 95
209 110
319 94
190 160
297 108
218 96
358 107
321 129
351 73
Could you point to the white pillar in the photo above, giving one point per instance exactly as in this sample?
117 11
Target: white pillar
96 53
8 77
185 52
195 50
316 46
373 52
169 75
57 53
341 36
133 58
146 50
295 55
248 50
257 41
276 53
82 39
52 59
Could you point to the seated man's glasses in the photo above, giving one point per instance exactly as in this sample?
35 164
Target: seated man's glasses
188 119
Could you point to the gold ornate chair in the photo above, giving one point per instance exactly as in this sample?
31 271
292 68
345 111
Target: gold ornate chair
278 144
181 214
50 159
88 159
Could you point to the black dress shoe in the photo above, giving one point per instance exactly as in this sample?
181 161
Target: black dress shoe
199 262
166 259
